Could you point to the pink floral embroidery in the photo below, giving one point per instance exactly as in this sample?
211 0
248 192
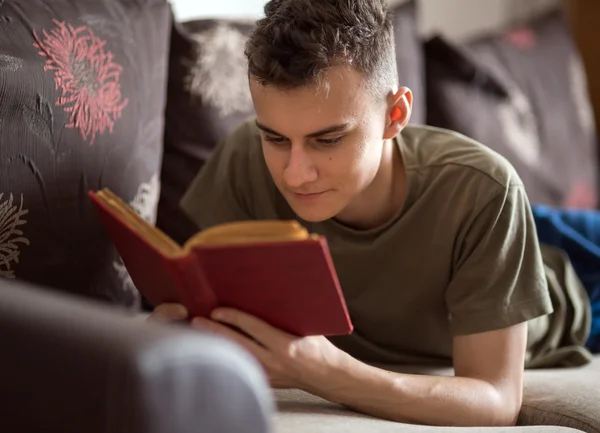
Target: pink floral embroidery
87 77
581 196
523 38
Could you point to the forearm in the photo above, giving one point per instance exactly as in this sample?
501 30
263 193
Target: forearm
428 400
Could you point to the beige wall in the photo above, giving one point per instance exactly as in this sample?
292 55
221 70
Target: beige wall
460 19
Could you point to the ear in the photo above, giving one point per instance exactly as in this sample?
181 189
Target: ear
398 112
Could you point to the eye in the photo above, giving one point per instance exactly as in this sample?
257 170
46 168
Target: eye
329 141
272 139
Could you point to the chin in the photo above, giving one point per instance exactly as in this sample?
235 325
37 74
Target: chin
312 218
312 215
314 211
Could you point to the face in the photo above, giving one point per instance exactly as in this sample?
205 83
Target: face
323 146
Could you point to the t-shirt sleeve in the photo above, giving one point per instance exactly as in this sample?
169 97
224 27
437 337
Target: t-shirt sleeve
499 278
220 191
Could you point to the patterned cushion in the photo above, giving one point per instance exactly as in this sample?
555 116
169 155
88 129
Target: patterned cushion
208 97
82 96
410 59
524 94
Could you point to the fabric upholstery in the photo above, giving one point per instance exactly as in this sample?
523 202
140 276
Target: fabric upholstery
554 399
71 366
299 412
565 397
522 92
82 96
207 95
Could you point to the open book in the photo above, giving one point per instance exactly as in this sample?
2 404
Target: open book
274 270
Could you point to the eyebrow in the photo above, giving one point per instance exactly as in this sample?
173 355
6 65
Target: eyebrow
328 130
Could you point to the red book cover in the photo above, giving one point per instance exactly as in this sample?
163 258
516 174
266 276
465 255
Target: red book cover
291 285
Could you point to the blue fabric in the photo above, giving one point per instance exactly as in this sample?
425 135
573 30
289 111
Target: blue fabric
577 232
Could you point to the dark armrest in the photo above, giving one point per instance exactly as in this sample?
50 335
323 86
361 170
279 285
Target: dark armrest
71 366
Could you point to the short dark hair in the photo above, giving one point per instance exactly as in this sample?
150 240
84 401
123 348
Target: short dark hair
299 40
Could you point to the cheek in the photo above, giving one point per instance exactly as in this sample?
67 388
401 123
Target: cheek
347 168
362 162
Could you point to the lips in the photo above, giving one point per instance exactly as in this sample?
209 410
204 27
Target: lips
308 195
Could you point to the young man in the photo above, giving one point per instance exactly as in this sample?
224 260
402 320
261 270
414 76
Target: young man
431 233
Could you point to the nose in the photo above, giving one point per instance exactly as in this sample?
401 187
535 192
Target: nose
300 169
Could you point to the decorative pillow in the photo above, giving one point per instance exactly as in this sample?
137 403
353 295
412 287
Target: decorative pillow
82 97
410 58
208 97
524 94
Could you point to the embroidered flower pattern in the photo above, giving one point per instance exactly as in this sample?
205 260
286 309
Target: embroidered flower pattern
9 63
11 235
219 72
87 76
522 38
144 203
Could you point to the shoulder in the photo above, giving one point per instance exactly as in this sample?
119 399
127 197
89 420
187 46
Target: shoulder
234 183
460 179
237 158
443 152
243 142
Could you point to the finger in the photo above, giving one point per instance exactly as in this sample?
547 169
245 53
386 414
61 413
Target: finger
266 334
169 313
211 326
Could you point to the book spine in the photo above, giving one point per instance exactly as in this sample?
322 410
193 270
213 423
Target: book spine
194 287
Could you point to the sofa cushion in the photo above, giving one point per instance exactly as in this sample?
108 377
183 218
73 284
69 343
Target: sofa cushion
410 59
208 97
299 412
563 397
71 367
522 92
82 95
555 400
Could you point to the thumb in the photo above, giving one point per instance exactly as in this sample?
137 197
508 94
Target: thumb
169 313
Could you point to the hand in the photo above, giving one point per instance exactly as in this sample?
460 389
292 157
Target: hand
169 313
307 363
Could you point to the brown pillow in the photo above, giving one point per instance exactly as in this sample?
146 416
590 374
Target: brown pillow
208 97
524 94
410 58
82 96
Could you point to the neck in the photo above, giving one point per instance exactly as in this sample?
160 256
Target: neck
382 200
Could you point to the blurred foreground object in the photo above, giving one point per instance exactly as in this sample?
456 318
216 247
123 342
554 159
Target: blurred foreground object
72 366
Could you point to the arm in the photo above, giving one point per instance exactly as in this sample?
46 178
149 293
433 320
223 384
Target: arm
498 284
485 391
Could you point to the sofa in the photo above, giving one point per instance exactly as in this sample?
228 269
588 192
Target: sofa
118 94
554 401
70 364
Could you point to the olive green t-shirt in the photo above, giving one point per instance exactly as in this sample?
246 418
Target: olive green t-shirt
461 256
